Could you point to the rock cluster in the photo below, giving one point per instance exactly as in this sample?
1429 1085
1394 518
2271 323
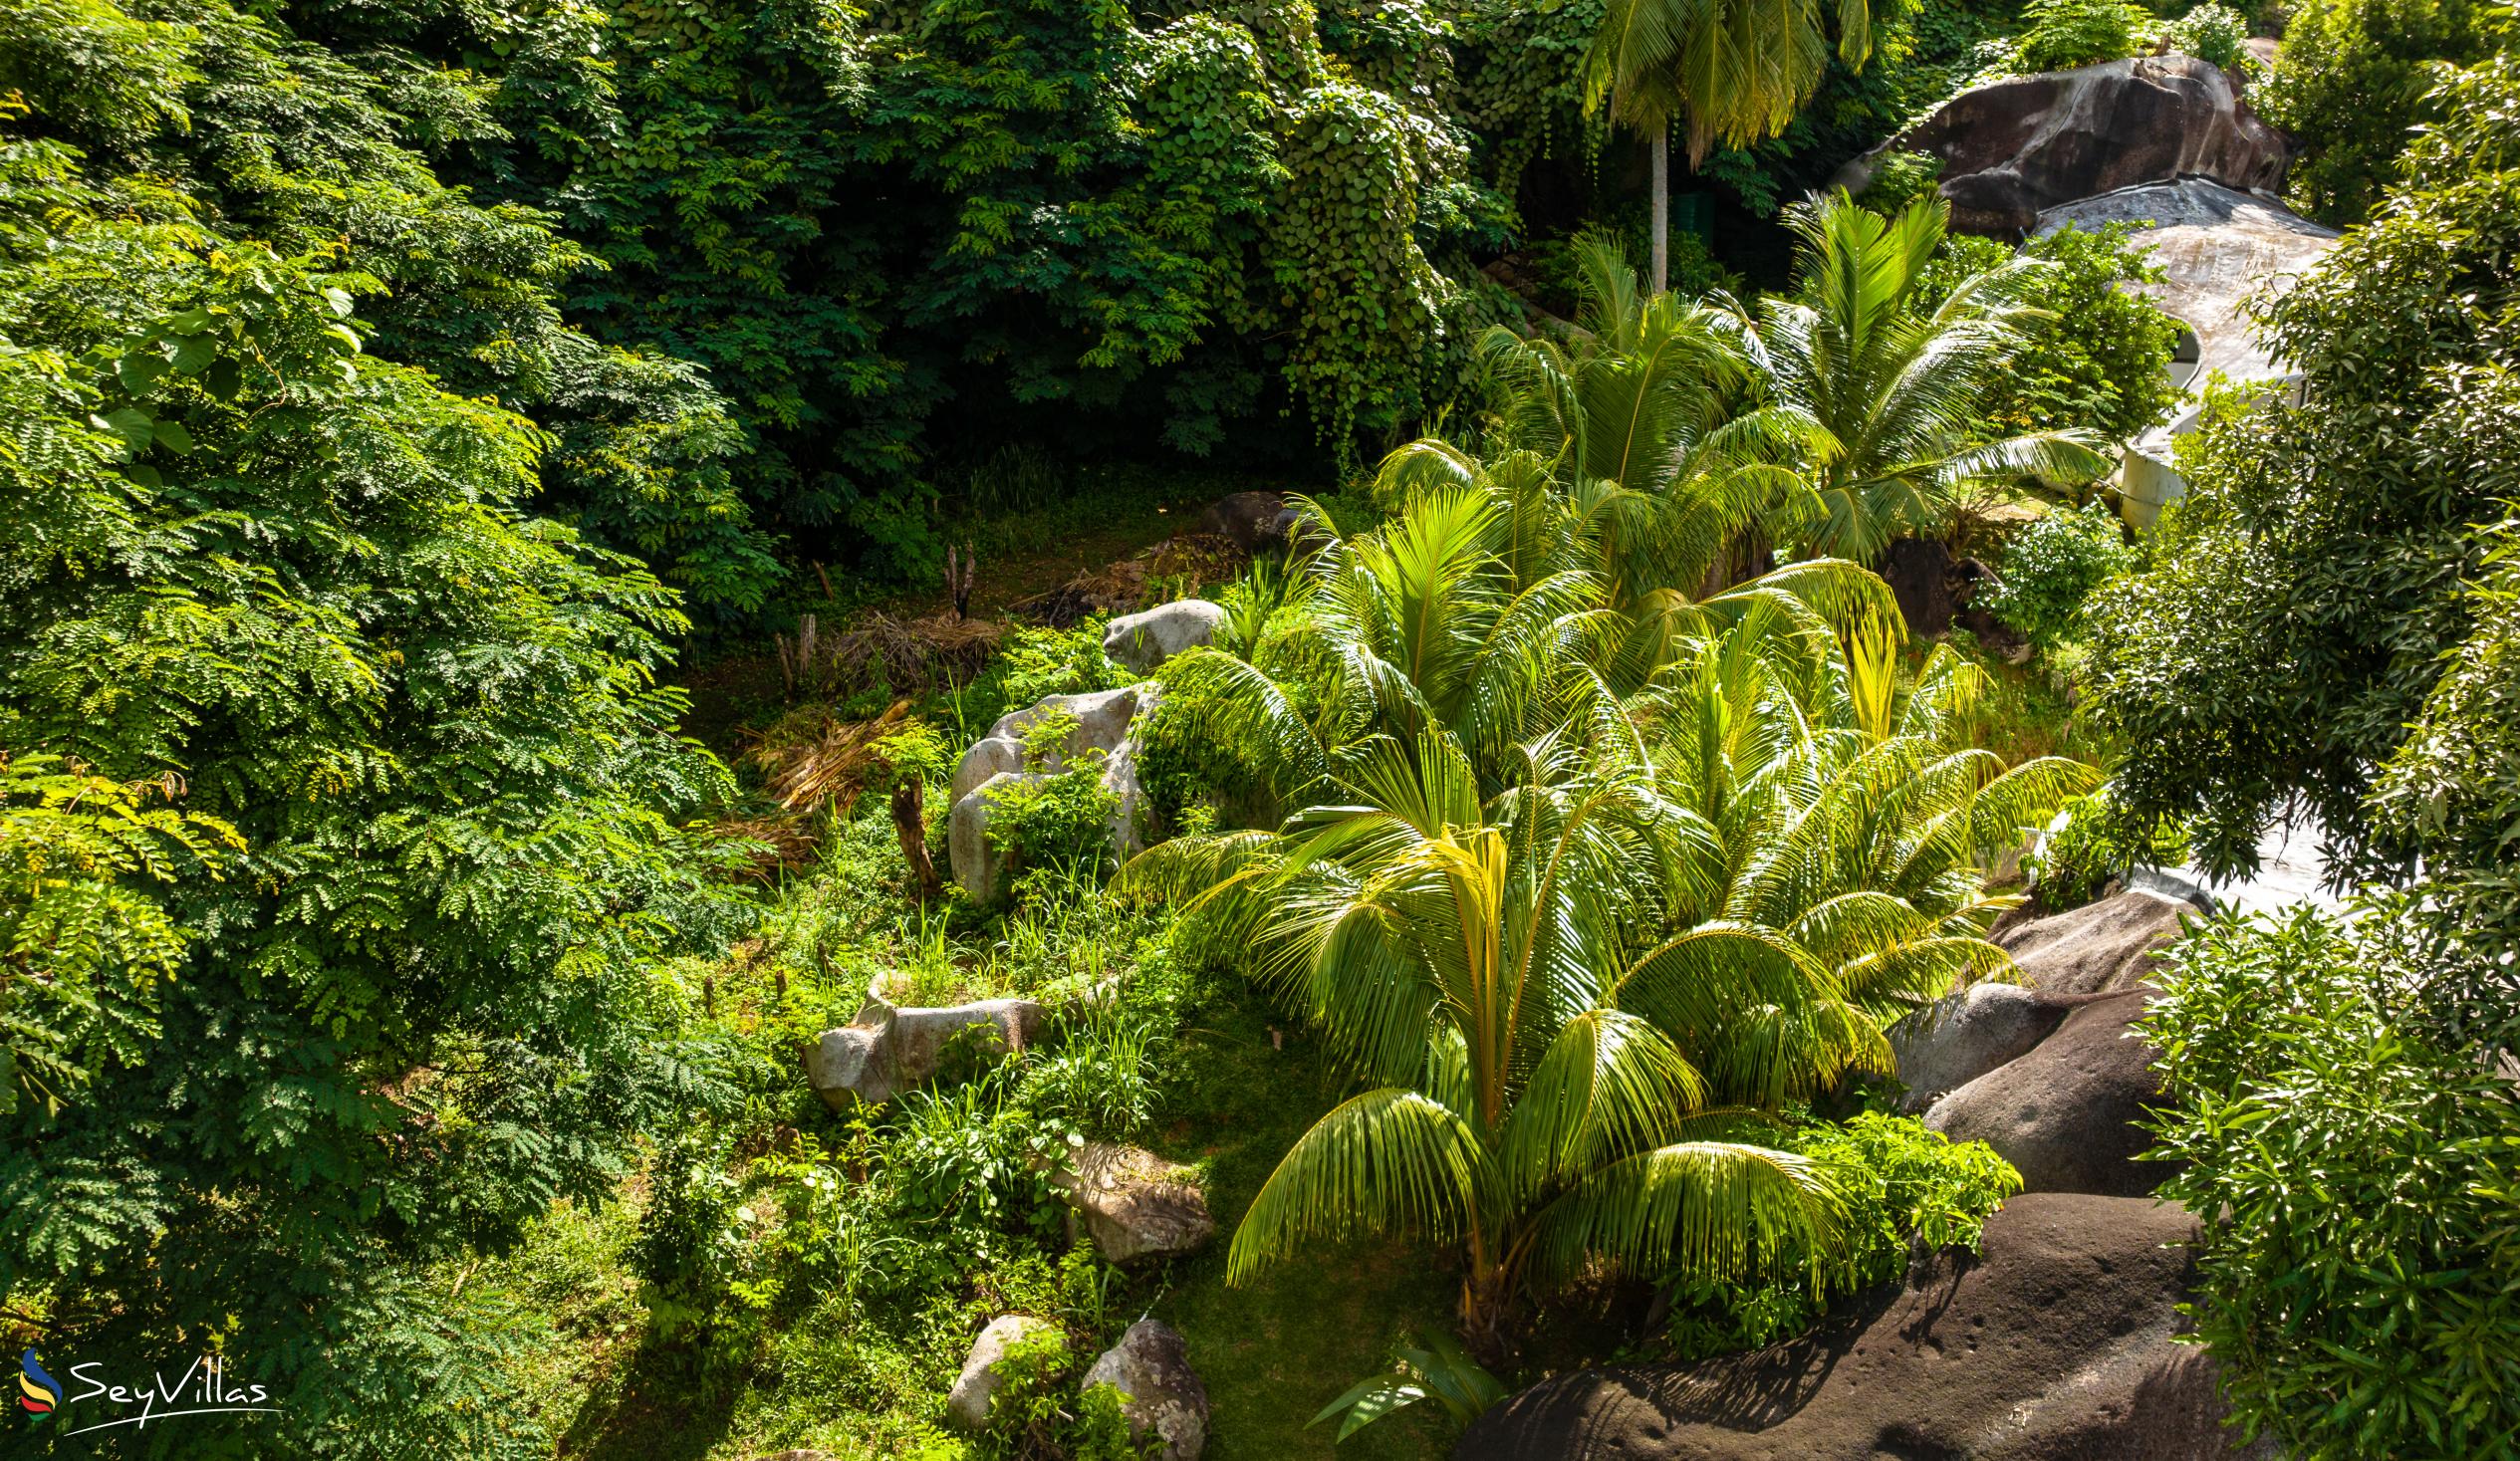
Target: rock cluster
2066 1111
1161 1397
2051 1074
2057 1344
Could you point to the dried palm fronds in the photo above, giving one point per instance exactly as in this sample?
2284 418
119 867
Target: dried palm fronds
833 765
785 842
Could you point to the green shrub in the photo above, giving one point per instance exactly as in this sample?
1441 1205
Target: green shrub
2064 34
2353 82
1038 661
2101 362
1063 819
2099 840
2210 32
2310 592
2050 569
1899 1183
2356 1185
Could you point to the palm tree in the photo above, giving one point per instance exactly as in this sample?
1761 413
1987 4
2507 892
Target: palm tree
1887 401
1736 69
1709 897
1474 959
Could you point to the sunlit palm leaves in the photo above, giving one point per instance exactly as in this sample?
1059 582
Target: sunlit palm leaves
1732 72
1547 948
1887 403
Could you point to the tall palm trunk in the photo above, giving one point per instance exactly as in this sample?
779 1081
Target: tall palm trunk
1663 207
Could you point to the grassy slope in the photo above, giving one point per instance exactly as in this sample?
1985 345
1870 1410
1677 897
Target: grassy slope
1271 1352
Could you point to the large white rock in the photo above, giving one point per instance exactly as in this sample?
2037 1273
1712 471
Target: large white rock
1104 722
967 1404
2218 247
1150 1366
980 867
987 756
1143 641
1102 718
885 1050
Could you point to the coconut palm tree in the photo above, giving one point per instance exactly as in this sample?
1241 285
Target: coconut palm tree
1735 71
1889 402
1711 895
1475 959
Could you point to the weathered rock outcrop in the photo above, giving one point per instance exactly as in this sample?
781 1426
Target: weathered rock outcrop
1952 1042
1143 641
2055 1345
2099 948
967 1404
885 1050
2013 148
2065 1114
995 767
1152 1367
2216 248
1133 1204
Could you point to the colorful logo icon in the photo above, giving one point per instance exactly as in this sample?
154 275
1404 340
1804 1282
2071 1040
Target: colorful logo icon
36 1391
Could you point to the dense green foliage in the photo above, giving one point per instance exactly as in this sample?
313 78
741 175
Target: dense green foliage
2096 843
2064 34
1922 54
1888 388
236 121
1548 923
2051 567
1185 219
2301 602
251 562
2100 358
2368 1313
2355 654
88 947
2353 82
2212 32
1900 1185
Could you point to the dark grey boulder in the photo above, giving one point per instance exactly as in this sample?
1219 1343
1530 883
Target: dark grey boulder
2055 1345
2013 148
2065 1114
1251 520
1953 1041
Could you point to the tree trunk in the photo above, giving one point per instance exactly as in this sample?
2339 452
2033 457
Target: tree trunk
910 822
1663 207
